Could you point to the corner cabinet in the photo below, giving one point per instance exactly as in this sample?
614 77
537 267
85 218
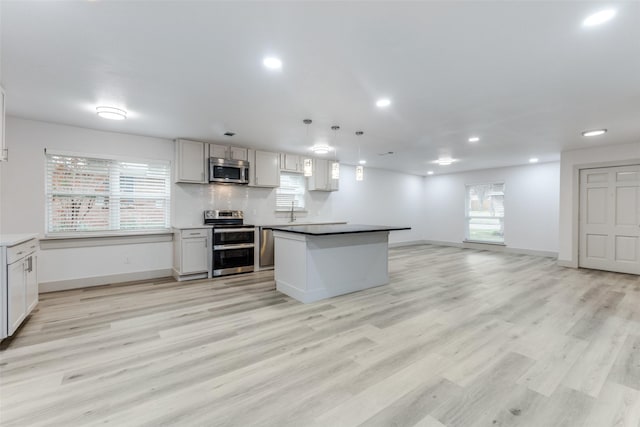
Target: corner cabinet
321 180
191 253
190 162
264 169
19 284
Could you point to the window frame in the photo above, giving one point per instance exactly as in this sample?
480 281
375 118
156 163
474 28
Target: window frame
304 194
468 217
119 195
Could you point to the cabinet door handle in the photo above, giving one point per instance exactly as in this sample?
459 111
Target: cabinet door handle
194 234
20 253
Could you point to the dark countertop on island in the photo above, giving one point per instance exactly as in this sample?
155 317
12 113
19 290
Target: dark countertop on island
330 229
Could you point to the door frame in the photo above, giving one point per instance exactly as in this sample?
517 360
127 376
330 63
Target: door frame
575 211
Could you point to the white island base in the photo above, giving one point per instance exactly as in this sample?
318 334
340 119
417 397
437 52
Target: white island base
314 267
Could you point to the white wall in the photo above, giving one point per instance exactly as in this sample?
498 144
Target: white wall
531 205
383 198
536 196
22 192
571 162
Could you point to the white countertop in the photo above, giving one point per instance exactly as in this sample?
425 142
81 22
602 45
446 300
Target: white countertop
14 239
191 227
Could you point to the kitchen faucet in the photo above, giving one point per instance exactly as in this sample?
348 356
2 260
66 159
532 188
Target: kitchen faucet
293 215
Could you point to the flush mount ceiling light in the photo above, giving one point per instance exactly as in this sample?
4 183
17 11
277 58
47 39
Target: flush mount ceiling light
533 160
445 161
594 132
362 162
430 173
474 139
111 113
599 18
383 102
272 63
321 149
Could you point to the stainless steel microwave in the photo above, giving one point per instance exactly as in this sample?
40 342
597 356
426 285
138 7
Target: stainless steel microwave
228 171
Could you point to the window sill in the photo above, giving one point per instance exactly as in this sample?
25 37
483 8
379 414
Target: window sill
481 242
82 240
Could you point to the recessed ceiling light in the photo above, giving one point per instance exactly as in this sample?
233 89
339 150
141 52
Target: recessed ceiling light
363 162
111 113
272 63
533 160
599 18
594 132
321 149
383 102
474 139
445 161
430 173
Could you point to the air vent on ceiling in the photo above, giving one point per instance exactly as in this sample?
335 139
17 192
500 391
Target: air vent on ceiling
388 153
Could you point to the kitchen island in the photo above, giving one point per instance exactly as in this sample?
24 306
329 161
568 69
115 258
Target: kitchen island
322 261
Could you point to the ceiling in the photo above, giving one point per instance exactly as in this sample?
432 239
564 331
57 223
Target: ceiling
526 77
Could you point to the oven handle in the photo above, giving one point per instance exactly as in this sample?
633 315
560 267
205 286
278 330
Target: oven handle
233 230
241 246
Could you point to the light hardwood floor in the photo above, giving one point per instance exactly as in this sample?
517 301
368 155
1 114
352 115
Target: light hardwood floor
459 338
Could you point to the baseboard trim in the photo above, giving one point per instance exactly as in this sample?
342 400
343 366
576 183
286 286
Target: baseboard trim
409 243
567 263
494 248
63 285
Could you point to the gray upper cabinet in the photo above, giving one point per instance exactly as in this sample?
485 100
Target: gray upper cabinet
264 169
238 153
321 179
227 152
291 163
191 162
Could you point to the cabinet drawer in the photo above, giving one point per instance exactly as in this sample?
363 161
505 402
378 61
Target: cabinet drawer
186 234
14 253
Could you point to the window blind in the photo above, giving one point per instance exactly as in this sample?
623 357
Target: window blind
291 190
85 194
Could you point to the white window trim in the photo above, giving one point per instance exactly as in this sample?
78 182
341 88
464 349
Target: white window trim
295 209
468 217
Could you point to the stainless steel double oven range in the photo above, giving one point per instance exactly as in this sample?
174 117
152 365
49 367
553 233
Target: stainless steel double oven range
233 242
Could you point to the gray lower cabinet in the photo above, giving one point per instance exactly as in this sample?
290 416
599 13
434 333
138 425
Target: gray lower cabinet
19 284
191 253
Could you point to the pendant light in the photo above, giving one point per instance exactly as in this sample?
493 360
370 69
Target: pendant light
307 164
359 168
335 166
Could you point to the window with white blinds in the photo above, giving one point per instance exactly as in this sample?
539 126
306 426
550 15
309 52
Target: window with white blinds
86 194
485 213
291 190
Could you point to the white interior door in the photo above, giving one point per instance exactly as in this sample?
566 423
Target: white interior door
610 219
